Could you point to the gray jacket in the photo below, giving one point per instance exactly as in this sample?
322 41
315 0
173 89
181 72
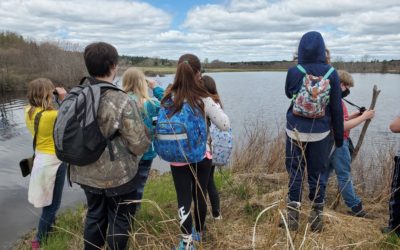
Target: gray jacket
116 113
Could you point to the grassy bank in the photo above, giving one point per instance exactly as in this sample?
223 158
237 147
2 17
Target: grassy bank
252 200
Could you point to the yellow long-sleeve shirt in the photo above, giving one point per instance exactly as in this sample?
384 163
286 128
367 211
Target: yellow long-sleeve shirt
44 141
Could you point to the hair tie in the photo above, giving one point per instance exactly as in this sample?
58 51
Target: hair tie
186 61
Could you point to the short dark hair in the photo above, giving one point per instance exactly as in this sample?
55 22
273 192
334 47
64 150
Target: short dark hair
99 58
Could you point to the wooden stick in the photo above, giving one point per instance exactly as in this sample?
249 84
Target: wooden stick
375 94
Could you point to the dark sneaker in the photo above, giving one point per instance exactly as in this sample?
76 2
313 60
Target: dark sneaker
316 217
358 210
388 230
292 218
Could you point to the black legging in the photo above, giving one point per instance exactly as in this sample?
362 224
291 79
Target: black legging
213 194
186 188
394 202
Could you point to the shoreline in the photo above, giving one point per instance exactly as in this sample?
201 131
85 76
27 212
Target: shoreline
253 192
163 71
149 230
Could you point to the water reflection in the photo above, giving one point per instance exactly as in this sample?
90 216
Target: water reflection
11 115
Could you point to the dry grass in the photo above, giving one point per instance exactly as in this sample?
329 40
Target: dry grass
254 188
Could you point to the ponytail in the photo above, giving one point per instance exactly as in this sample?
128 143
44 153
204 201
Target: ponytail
186 86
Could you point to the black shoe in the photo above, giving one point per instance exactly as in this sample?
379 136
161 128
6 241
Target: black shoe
316 218
358 210
292 218
388 230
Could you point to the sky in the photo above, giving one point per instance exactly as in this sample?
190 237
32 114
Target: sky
228 30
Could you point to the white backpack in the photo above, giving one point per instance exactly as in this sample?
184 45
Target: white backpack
221 145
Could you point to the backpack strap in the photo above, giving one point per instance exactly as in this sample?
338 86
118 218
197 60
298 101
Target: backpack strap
328 73
36 128
302 69
299 67
104 86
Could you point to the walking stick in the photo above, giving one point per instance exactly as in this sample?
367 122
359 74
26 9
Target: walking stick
375 94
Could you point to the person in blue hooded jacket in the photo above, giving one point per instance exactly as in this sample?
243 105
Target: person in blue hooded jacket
309 140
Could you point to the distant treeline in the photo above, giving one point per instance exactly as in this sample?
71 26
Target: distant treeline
362 66
22 60
374 66
144 61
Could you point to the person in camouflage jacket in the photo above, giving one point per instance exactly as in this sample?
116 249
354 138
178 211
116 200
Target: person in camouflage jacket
109 184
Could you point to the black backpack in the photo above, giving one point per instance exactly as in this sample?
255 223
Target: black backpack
77 136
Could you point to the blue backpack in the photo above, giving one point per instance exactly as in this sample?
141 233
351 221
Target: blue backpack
181 137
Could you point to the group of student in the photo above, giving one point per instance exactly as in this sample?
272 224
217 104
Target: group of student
129 118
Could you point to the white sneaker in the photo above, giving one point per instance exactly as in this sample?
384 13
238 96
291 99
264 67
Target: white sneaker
218 217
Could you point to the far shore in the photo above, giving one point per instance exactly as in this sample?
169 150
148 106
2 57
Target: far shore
161 71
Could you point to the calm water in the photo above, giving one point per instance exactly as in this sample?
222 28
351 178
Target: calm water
246 97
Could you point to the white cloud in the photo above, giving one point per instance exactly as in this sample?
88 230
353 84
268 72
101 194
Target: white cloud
233 31
120 22
352 28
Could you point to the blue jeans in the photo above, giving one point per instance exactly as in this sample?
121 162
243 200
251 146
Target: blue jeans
48 216
340 161
143 172
311 155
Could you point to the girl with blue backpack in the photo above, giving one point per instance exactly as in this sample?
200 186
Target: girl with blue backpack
136 85
181 138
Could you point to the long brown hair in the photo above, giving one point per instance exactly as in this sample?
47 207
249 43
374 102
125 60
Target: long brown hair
40 95
211 87
186 87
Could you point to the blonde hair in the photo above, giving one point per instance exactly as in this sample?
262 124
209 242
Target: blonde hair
345 78
133 80
40 95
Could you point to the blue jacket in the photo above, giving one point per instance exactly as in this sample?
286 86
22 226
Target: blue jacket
311 55
150 110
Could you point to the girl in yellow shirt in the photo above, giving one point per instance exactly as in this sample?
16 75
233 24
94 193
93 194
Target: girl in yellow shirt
48 173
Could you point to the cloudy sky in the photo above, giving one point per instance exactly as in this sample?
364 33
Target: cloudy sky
229 30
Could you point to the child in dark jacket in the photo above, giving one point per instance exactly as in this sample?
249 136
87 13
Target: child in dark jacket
394 202
308 139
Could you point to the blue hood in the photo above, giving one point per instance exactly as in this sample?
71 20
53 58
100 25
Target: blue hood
311 48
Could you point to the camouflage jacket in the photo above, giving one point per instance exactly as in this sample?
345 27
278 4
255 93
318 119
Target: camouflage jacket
116 113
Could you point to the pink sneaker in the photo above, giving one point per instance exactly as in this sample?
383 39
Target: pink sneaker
35 244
